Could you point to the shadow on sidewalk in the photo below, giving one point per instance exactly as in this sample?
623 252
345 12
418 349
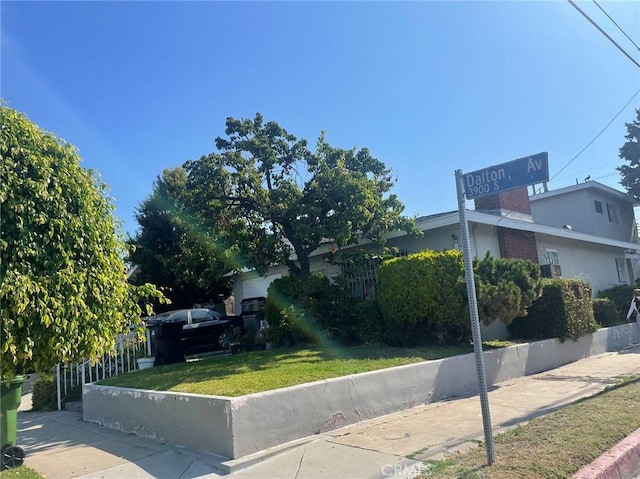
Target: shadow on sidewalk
60 444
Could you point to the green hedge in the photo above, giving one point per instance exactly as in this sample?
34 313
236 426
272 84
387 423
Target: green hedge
361 322
45 397
563 311
301 309
421 296
606 314
620 296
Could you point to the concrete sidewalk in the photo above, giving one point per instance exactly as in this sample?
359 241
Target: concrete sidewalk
60 445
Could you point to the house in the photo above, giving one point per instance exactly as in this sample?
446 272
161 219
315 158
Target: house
585 231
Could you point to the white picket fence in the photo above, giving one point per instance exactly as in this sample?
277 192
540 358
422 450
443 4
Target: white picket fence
123 359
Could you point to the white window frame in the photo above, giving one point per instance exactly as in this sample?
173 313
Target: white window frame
552 256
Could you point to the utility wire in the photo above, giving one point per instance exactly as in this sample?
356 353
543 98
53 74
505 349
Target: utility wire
619 28
603 32
581 151
597 136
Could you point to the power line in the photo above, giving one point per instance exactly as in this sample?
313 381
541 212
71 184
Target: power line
603 32
619 28
580 152
598 135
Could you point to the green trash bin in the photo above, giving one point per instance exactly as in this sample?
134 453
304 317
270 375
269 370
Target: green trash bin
10 397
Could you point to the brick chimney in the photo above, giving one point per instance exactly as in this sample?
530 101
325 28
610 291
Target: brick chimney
512 204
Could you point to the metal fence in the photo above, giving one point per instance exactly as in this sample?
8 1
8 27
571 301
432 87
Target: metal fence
128 348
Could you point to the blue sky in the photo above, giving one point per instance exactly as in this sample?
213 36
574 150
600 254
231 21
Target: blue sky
428 87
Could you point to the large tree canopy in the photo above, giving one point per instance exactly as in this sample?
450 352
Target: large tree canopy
64 293
267 194
172 251
630 152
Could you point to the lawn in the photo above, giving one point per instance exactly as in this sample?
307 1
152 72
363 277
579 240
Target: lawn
258 371
21 472
556 445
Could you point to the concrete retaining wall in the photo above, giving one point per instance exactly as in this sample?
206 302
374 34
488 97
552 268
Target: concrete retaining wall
236 427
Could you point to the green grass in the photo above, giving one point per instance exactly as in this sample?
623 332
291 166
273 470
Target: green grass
556 445
21 472
259 371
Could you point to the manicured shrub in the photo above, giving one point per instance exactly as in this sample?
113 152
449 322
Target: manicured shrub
44 395
420 295
300 309
362 323
620 296
526 327
606 314
505 287
563 311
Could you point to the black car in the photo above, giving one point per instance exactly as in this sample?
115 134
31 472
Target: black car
185 332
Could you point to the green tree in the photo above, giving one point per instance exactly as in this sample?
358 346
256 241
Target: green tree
172 251
630 152
64 293
267 194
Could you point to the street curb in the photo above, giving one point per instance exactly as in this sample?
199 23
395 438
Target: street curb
619 462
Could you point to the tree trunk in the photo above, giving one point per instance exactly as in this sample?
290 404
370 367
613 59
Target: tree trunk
303 259
301 267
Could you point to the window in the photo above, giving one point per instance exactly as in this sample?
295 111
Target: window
614 216
201 316
362 277
552 268
622 277
598 206
179 316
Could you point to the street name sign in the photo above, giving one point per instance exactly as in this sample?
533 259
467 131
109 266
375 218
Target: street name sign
507 176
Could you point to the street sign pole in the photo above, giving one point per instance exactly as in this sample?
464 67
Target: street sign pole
475 320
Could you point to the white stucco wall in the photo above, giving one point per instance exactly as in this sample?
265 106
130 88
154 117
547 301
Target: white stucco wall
252 285
587 261
227 426
577 209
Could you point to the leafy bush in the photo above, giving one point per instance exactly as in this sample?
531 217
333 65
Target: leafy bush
506 287
526 327
300 309
563 311
362 322
620 296
420 295
606 314
44 394
45 397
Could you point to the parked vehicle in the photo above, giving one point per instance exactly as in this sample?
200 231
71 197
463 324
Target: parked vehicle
184 332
